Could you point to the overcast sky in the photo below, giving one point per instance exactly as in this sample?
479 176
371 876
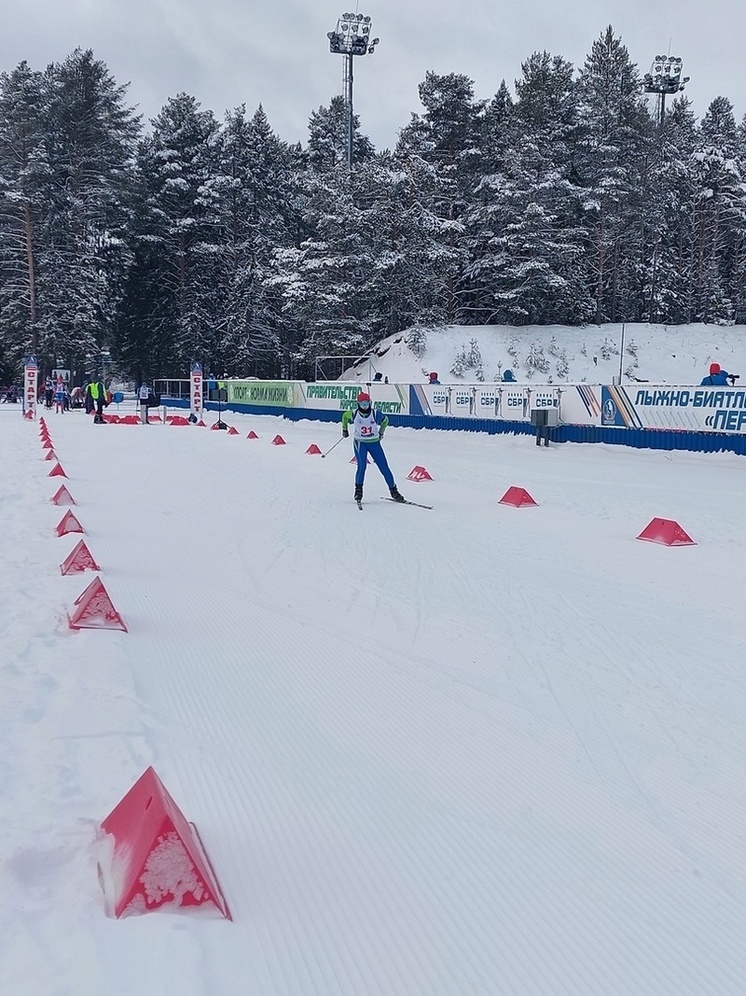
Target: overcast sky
229 52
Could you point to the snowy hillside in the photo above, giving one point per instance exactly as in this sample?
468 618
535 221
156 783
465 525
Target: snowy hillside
474 750
657 354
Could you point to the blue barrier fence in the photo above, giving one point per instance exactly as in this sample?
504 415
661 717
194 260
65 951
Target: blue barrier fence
653 439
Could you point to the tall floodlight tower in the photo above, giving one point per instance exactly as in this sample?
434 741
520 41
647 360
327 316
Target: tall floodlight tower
351 38
663 79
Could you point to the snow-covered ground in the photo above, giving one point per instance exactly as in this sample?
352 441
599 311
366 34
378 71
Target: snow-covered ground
474 750
555 354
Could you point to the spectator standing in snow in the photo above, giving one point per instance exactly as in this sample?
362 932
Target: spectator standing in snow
97 393
509 377
718 377
433 378
143 396
368 427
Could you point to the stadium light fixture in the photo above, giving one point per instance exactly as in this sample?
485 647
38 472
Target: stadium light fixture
665 78
351 37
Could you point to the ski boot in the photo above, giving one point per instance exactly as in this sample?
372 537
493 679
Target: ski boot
358 492
395 495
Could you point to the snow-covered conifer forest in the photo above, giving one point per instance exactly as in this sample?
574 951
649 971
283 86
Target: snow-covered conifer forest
556 200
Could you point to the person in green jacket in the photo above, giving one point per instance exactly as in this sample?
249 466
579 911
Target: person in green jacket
368 427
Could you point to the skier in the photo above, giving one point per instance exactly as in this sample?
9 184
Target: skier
368 429
59 396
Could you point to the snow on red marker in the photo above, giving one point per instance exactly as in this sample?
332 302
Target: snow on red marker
62 497
158 860
95 609
68 524
418 474
57 471
79 559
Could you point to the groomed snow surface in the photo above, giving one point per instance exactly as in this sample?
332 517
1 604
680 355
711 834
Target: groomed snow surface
474 750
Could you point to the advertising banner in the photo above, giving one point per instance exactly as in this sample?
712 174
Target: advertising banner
514 404
391 399
486 402
698 409
580 404
30 374
429 399
543 397
461 402
267 393
196 390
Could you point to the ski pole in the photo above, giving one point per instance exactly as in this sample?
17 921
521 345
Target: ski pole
332 447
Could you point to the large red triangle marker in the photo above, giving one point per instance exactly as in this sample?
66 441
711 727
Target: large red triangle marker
78 560
278 440
57 471
95 610
313 449
51 455
158 858
252 435
517 497
68 524
667 532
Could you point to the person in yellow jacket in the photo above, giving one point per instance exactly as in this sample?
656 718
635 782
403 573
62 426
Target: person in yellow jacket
96 392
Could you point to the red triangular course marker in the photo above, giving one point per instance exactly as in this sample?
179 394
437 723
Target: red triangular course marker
29 413
667 532
95 610
158 858
233 431
517 497
202 424
57 471
78 560
178 420
46 444
278 441
368 460
252 435
313 449
51 455
62 497
68 524
418 474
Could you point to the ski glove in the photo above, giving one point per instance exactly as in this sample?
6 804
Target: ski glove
345 432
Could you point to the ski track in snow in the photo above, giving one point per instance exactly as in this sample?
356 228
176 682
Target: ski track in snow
477 750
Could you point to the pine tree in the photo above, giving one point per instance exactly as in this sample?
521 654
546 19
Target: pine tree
25 179
67 141
613 158
527 241
173 237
